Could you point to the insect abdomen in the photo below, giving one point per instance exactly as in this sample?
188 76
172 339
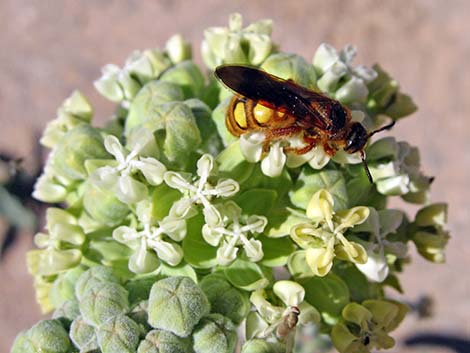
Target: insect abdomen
247 115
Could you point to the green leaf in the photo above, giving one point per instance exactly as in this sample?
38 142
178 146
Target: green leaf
177 304
276 250
218 115
197 252
310 181
15 213
232 164
139 289
257 201
119 334
246 275
359 287
163 198
328 294
182 269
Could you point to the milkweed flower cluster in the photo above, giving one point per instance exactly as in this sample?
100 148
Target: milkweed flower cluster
167 233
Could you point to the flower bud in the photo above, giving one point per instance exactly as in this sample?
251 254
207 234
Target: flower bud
118 334
225 299
77 146
215 334
159 341
177 304
83 335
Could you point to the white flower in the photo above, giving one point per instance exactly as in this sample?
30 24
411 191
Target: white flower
152 237
198 191
233 232
334 66
380 224
119 177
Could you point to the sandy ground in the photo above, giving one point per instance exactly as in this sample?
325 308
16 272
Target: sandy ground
51 47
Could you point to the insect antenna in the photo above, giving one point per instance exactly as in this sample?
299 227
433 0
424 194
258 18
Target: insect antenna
386 127
366 168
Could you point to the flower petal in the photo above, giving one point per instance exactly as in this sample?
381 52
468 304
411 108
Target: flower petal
273 164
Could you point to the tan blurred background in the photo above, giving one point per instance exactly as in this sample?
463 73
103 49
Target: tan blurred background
49 48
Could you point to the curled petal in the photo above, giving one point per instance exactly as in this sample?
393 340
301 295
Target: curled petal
350 218
205 164
320 260
306 235
47 190
152 169
126 235
130 190
274 162
268 312
174 228
105 177
254 250
211 235
227 187
291 293
183 209
169 252
176 181
397 185
114 146
232 210
350 251
376 268
212 216
143 261
325 56
343 157
226 254
320 207
251 145
256 223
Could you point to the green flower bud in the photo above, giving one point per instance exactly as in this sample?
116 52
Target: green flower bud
117 84
181 134
177 304
77 146
63 288
50 261
47 336
159 341
178 49
215 334
291 67
83 335
118 334
93 277
102 302
103 206
75 110
20 345
237 45
68 311
385 96
188 76
262 346
225 299
150 97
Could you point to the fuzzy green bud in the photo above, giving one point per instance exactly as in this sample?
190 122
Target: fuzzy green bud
215 334
177 304
77 146
47 336
159 341
118 334
225 299
102 302
83 335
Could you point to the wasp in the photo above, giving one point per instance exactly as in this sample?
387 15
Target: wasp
287 327
282 108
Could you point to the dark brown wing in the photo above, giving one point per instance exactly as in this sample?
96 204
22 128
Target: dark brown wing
276 93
